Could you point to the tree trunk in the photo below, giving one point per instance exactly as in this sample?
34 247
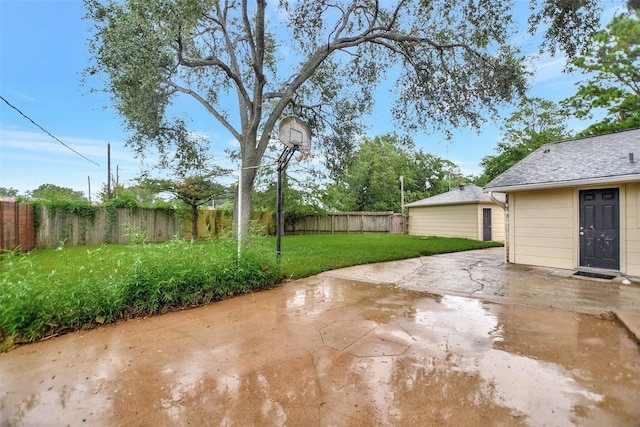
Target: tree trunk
194 223
248 178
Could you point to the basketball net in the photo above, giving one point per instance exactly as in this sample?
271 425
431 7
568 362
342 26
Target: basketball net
303 155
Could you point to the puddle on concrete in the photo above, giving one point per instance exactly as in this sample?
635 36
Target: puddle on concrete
325 351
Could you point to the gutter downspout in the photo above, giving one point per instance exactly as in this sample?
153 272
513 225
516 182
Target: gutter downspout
505 206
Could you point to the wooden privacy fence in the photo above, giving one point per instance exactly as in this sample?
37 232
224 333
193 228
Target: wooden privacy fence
348 222
59 227
107 226
123 225
16 226
216 223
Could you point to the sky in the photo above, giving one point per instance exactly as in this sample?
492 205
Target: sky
43 51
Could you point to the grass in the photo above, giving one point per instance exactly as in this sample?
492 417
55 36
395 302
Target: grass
49 292
314 253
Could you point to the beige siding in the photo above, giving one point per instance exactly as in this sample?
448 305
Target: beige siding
543 228
497 221
446 221
544 224
633 229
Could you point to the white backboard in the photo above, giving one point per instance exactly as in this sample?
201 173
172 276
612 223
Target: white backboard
295 134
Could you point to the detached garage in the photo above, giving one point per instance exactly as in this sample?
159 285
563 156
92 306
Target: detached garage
574 205
464 212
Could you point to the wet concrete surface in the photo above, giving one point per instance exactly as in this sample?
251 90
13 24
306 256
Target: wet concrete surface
350 348
484 274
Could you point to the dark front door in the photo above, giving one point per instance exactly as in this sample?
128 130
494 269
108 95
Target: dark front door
486 224
600 229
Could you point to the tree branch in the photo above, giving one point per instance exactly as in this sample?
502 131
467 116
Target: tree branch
209 108
210 61
243 96
257 58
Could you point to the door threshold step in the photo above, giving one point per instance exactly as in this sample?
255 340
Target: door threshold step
594 275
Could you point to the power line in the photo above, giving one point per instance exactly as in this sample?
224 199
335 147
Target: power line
46 131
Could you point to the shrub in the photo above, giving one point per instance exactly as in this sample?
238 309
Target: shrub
179 274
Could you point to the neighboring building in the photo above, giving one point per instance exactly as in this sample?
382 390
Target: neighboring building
463 212
574 204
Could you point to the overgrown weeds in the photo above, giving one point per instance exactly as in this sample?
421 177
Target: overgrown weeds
77 288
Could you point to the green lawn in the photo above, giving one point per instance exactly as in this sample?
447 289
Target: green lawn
314 253
48 292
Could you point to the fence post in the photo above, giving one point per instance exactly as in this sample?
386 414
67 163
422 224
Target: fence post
17 226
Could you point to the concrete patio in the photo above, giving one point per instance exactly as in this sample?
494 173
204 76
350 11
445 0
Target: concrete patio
449 340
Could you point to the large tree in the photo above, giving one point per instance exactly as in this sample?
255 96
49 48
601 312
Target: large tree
612 62
193 191
193 174
55 192
8 192
370 180
537 122
230 56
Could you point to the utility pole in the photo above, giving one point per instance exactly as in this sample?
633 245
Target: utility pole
117 180
108 171
404 219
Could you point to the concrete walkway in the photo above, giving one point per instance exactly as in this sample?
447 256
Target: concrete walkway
483 274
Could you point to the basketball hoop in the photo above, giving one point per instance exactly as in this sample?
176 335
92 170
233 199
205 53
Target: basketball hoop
295 134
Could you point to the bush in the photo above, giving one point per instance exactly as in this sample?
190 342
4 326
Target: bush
295 213
123 201
178 274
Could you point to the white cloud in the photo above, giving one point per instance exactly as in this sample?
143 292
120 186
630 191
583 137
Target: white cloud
23 96
547 67
29 159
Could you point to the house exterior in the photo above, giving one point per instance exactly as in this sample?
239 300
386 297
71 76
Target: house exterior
463 212
574 205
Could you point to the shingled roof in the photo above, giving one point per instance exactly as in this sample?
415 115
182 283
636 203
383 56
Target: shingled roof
461 195
592 160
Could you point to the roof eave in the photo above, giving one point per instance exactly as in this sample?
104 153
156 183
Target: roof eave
562 184
467 202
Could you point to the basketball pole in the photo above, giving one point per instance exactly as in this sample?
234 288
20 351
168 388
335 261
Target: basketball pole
291 129
283 161
239 215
